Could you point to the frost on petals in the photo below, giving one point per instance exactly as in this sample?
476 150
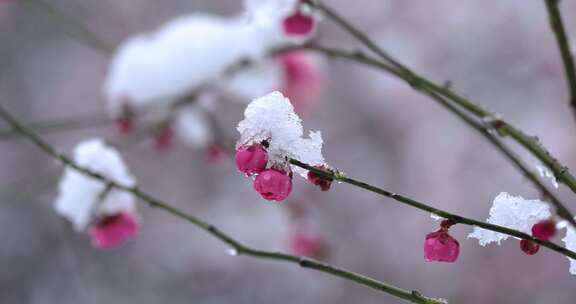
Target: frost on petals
570 241
272 119
513 212
84 200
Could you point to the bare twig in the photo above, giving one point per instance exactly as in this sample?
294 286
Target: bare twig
88 121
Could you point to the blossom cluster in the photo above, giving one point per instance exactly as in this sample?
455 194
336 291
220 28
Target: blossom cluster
271 134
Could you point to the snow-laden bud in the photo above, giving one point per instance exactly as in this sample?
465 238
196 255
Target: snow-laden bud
321 181
252 159
272 122
273 185
439 246
544 230
307 245
271 118
85 201
529 247
112 230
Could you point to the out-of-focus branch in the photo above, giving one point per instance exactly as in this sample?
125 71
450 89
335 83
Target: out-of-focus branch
427 87
75 123
557 26
71 25
99 120
439 212
237 247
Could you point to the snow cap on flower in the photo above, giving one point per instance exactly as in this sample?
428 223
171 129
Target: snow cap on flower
512 212
78 196
570 241
271 118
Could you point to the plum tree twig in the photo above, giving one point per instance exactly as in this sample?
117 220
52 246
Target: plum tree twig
487 129
426 86
31 135
237 247
433 90
557 26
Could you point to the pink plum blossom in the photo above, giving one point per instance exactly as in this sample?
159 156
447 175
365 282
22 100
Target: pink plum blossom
439 246
273 185
251 159
113 230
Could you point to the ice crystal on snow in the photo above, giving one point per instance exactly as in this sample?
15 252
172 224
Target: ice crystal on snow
513 212
546 173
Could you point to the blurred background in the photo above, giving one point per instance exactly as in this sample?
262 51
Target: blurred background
499 53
